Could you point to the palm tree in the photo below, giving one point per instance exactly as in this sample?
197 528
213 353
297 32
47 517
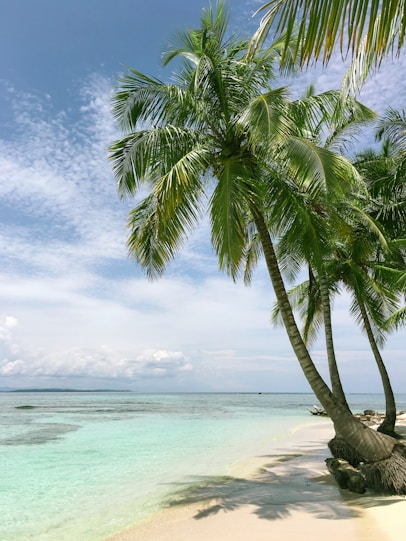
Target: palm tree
384 172
387 171
214 138
373 300
350 267
331 122
366 308
370 268
370 27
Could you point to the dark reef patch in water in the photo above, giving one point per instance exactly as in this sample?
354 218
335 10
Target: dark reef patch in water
43 433
27 407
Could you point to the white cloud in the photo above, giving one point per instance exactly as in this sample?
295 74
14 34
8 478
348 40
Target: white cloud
100 364
8 322
161 363
57 182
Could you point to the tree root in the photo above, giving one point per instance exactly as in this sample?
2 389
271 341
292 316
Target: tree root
345 475
385 476
339 448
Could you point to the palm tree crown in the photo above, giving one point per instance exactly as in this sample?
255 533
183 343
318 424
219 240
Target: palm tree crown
196 128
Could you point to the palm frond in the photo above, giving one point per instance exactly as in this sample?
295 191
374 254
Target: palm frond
330 120
372 226
215 19
313 111
392 126
397 320
183 44
149 154
321 24
267 119
160 223
395 278
228 209
123 155
145 242
349 123
142 99
319 170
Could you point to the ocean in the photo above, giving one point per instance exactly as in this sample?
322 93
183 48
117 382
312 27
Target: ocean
78 466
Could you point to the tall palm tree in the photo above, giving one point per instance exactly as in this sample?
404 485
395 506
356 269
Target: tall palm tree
331 123
373 286
372 300
384 172
366 308
369 268
372 269
214 138
350 268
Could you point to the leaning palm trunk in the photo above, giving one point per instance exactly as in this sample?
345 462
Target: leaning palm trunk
388 424
336 384
385 459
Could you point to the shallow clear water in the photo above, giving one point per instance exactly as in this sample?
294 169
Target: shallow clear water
80 466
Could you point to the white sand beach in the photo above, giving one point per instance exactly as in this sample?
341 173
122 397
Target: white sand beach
288 495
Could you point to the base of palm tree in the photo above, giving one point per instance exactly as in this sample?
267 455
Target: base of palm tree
384 476
339 448
387 428
346 476
388 475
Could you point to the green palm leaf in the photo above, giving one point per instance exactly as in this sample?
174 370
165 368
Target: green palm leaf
318 170
228 209
320 24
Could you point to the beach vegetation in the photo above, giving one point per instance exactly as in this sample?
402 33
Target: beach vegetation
223 139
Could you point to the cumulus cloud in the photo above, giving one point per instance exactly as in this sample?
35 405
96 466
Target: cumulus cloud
101 363
7 324
161 363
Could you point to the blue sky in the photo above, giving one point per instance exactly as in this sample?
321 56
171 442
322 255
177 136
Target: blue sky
74 310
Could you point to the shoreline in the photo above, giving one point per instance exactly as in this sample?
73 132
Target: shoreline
288 494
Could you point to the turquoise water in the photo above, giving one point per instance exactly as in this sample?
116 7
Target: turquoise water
81 466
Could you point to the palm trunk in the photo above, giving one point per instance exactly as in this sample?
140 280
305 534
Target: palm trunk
388 424
371 445
336 385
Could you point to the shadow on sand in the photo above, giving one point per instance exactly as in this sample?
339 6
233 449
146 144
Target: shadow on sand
286 484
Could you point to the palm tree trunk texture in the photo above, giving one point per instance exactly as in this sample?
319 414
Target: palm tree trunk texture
336 384
388 424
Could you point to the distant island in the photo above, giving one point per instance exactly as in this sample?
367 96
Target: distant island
52 390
